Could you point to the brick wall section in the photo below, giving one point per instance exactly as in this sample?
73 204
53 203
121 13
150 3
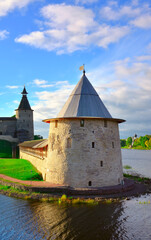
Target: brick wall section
80 164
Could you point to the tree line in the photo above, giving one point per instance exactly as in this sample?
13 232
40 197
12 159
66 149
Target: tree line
143 142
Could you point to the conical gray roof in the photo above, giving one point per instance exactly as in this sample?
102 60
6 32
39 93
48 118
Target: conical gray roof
84 102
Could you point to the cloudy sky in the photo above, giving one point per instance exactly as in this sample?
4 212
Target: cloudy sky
44 42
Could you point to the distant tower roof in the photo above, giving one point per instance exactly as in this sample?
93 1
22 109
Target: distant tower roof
24 91
84 102
24 104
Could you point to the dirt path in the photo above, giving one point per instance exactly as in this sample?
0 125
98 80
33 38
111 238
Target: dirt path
31 183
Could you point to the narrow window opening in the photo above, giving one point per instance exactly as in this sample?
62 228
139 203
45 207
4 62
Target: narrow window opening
105 123
0 133
82 123
112 144
101 163
56 123
69 142
93 144
89 183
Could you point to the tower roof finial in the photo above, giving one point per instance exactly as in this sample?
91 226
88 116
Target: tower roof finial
82 68
24 91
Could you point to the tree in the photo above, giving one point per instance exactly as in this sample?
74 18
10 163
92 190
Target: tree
123 142
36 137
129 141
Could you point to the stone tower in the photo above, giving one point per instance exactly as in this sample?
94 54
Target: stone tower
84 145
24 116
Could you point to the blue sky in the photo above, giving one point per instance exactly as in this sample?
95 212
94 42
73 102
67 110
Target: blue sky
43 43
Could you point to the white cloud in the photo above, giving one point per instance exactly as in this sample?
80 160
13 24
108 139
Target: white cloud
43 109
3 34
143 21
39 82
7 6
66 32
85 1
139 14
16 102
12 87
42 83
144 58
115 12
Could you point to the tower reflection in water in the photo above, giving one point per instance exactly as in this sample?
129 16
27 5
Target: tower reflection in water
103 221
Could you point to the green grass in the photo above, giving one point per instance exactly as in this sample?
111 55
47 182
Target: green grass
20 169
136 178
127 167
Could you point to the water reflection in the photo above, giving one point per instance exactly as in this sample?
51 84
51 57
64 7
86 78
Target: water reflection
35 220
79 222
27 220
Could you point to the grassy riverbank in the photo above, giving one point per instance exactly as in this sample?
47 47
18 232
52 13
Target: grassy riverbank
137 178
20 169
58 199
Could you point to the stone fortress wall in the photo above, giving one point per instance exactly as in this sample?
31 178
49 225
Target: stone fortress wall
8 126
84 156
25 121
37 161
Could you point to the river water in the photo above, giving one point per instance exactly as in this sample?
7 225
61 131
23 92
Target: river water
139 160
27 220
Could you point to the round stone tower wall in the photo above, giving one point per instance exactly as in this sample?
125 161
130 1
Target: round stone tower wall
84 153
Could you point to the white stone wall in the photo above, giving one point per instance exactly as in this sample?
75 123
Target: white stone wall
78 165
36 160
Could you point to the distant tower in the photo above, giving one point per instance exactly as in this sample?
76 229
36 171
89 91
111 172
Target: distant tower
24 116
84 145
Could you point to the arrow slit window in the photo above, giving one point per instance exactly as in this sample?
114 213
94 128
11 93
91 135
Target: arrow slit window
82 123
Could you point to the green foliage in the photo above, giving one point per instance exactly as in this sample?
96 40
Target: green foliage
136 178
129 141
2 187
142 143
123 142
36 137
127 167
64 197
20 169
